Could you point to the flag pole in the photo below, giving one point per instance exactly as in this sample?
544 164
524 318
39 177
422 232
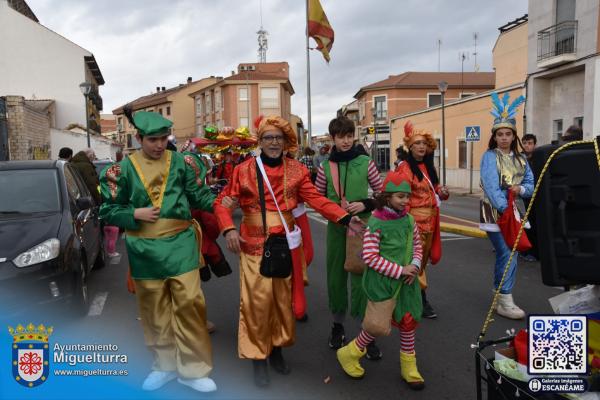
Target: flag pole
308 137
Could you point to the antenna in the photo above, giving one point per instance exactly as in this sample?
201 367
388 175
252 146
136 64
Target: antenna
475 37
462 57
439 43
263 44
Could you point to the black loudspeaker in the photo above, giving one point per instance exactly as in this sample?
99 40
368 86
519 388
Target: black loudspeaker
567 211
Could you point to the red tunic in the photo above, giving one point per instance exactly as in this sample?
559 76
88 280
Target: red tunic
291 184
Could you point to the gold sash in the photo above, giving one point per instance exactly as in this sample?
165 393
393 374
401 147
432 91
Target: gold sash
423 212
163 227
273 219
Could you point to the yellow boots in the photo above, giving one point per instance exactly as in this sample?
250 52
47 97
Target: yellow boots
349 358
409 372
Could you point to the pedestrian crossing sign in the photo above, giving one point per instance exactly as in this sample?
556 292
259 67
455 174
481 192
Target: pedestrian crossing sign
472 133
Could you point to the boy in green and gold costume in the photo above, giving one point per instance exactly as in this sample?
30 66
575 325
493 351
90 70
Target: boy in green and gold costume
150 194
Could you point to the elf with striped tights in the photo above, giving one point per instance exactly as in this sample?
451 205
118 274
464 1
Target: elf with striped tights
392 251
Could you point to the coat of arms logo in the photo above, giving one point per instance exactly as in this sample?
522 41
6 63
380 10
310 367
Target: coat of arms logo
30 354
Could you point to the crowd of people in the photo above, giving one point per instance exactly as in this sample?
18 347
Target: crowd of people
379 241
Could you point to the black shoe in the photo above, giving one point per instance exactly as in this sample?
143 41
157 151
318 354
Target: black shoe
428 311
303 318
277 362
373 352
205 274
261 375
337 337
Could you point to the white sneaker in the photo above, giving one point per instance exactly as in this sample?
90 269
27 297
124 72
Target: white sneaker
199 384
507 308
157 379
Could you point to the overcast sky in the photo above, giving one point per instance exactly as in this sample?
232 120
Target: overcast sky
143 44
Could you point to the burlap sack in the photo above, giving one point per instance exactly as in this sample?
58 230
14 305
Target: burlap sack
378 317
354 262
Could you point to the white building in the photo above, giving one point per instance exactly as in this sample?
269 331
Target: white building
37 63
563 85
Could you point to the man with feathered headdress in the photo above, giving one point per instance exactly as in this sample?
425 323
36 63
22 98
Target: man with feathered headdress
424 200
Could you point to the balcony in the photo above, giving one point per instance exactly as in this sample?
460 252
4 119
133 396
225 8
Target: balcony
557 44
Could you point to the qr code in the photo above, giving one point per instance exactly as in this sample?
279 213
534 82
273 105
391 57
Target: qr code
557 344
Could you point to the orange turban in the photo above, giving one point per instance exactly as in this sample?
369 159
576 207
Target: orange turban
411 135
274 122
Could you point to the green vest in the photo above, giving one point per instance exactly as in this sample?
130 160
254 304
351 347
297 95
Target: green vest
395 245
354 178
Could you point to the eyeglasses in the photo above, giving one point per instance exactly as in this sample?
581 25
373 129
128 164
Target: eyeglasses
273 139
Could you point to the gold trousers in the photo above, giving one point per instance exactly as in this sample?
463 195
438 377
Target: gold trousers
173 316
426 241
266 317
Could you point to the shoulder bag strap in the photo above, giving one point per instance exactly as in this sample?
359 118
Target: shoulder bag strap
261 195
266 179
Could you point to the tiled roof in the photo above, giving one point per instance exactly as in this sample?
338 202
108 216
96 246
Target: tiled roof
431 79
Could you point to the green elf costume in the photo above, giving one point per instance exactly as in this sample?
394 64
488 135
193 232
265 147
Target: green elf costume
163 255
345 178
391 242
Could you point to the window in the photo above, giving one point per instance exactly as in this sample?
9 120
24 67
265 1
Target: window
244 121
120 124
168 110
198 106
462 154
243 94
129 142
208 106
160 111
565 10
380 105
578 121
434 99
72 188
557 128
269 98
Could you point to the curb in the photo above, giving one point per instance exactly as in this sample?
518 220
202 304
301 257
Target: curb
462 230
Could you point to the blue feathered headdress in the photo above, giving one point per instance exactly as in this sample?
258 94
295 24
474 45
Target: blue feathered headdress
505 112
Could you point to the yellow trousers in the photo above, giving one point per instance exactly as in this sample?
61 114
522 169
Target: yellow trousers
266 317
426 241
173 316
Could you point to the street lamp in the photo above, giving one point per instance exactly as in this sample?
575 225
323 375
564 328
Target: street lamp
443 86
85 88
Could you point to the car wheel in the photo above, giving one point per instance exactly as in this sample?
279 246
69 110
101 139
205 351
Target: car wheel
100 258
81 295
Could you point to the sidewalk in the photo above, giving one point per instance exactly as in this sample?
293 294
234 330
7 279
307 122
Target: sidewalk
462 226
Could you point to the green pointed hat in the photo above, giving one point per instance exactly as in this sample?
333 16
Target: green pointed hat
395 182
148 123
151 124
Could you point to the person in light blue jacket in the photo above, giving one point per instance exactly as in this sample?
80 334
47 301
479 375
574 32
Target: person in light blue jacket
503 168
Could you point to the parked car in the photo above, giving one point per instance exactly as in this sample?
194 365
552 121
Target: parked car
50 236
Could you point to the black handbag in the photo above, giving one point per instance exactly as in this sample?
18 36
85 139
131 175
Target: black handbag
276 260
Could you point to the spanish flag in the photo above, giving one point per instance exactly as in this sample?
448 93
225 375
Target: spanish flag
319 28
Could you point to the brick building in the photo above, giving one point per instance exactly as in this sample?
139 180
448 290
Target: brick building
255 89
27 124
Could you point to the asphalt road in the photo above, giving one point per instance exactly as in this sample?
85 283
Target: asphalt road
460 291
461 206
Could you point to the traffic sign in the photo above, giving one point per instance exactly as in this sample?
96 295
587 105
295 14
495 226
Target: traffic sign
472 133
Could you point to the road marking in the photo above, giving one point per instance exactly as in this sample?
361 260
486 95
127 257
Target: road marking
98 304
